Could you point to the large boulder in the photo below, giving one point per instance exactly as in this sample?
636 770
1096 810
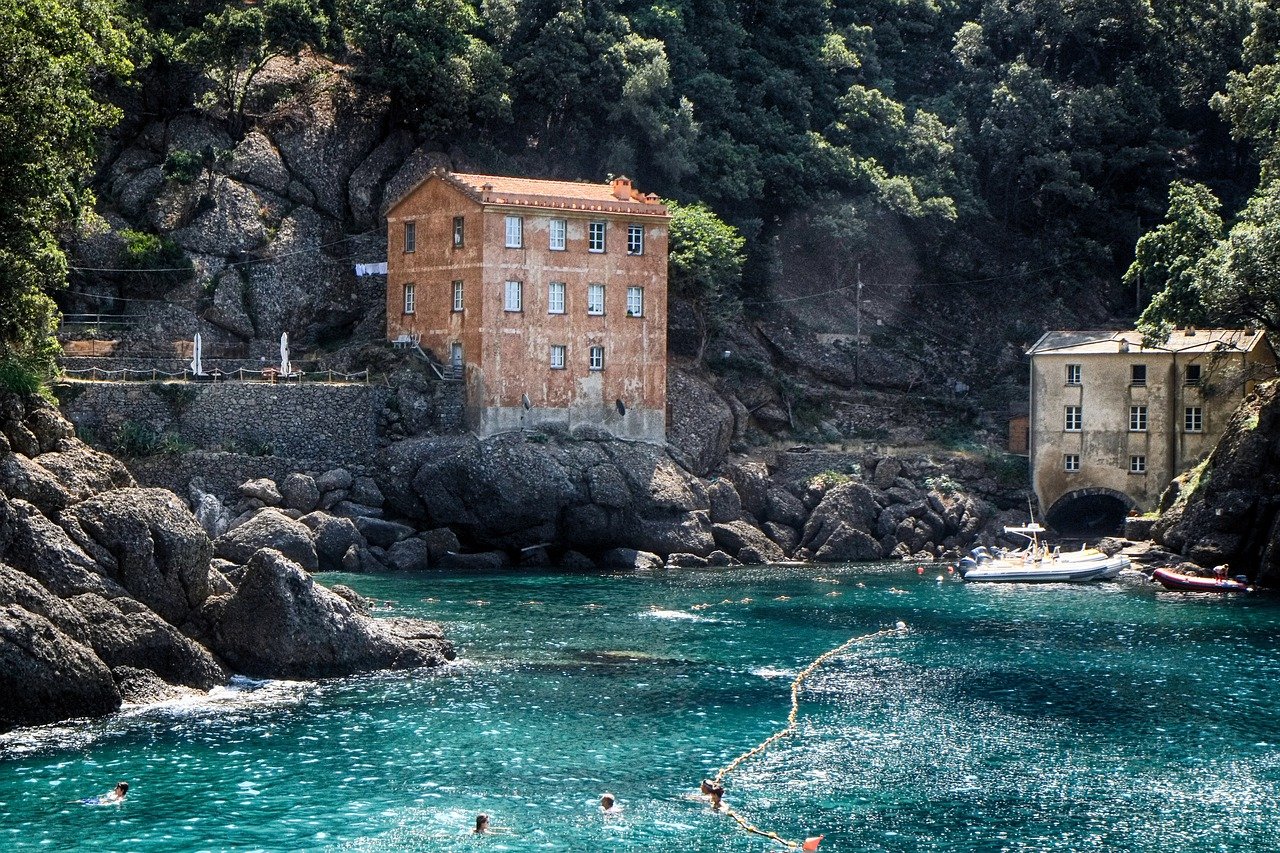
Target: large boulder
334 536
269 529
148 541
735 536
700 422
125 633
280 623
846 509
299 491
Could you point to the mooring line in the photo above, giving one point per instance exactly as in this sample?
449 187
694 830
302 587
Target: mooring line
901 628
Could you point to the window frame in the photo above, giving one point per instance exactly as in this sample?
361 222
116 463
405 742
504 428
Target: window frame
1078 412
1071 463
561 350
409 238
562 232
459 231
1137 376
557 299
638 292
635 239
1138 419
1193 419
410 304
593 309
595 357
507 290
593 227
513 237
459 295
1188 380
1137 463
1074 374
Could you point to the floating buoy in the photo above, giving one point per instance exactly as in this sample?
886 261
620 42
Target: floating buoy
811 844
919 570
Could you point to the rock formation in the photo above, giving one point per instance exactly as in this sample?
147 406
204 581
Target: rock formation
1228 509
108 592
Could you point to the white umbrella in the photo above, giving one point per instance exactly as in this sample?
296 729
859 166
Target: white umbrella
284 354
197 366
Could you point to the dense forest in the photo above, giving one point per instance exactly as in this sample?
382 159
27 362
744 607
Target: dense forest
1027 142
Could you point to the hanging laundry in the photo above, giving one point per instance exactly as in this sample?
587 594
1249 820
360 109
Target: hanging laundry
371 269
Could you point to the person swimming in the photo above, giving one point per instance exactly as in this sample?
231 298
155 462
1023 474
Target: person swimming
115 795
609 804
482 824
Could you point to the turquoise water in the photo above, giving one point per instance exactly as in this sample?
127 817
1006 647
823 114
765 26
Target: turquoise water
1103 717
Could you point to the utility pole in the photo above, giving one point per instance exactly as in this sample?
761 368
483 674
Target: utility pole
857 350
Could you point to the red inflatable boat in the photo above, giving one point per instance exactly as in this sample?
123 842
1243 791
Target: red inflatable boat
1195 583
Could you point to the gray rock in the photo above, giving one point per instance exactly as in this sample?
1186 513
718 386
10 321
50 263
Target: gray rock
409 555
27 480
751 479
148 542
736 535
700 422
488 561
726 505
687 561
786 538
847 507
630 558
572 561
262 489
268 529
364 490
334 480
281 624
328 500
299 491
333 537
382 533
720 559
784 508
440 541
350 509
887 471
123 633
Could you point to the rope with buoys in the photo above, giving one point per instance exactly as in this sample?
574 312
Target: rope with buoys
811 843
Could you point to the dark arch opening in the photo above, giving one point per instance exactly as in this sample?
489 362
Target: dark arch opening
1086 515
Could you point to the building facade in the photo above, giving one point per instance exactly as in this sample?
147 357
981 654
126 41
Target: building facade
1111 417
548 298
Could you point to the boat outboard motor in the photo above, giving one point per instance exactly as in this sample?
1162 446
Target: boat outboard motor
965 564
981 554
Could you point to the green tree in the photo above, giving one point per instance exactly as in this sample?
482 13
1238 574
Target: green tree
428 56
704 264
50 125
1177 261
235 45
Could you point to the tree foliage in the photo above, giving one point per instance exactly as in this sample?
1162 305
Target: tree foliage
704 264
50 121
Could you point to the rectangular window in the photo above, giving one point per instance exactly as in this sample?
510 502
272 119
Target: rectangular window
1074 419
410 236
457 296
1193 374
557 356
1137 464
555 297
409 299
635 301
595 237
513 297
1073 374
457 231
1137 419
1137 374
1193 419
556 234
597 358
515 232
635 239
1071 462
595 298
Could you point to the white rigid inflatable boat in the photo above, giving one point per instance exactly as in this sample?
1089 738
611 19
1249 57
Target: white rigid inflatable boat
1038 562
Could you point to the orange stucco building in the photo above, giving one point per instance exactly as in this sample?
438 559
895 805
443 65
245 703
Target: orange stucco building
548 298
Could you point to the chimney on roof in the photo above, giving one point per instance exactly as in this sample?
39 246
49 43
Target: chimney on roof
622 188
651 198
1191 331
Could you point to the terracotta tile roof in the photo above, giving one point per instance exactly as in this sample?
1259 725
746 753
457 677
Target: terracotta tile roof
1180 340
571 195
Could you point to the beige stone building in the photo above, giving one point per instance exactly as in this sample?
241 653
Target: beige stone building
548 298
1113 422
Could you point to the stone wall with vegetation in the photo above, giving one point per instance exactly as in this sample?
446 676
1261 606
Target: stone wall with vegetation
310 421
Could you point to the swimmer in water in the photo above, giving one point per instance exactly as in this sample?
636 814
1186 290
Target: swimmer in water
608 804
482 824
116 795
717 791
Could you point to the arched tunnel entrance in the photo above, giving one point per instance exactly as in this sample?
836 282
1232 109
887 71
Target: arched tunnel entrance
1089 513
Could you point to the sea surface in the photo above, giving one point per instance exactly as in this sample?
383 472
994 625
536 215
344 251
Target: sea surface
1113 717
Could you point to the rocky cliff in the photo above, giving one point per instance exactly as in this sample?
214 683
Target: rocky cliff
108 592
1226 510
